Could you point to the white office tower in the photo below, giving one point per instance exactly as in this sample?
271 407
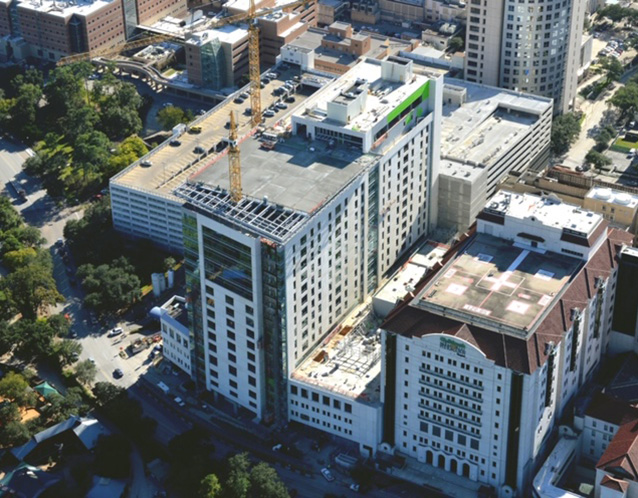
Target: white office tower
323 215
481 364
526 45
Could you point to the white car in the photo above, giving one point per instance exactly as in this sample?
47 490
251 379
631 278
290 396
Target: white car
180 402
354 487
327 475
115 332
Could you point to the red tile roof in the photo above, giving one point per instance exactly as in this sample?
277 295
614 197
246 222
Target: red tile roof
518 354
612 410
621 456
615 484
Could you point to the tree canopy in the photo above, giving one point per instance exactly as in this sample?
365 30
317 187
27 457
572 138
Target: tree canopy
73 126
565 130
171 116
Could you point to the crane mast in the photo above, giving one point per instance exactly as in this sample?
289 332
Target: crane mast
234 164
253 65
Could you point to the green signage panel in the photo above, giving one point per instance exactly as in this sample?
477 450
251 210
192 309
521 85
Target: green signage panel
423 92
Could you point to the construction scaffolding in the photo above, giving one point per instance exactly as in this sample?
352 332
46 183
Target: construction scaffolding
257 215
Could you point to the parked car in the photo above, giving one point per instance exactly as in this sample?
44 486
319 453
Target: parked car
281 105
180 402
117 373
115 332
244 95
146 163
175 143
199 149
354 487
195 130
238 100
269 113
327 475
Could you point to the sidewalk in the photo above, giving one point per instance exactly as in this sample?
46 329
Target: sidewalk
426 475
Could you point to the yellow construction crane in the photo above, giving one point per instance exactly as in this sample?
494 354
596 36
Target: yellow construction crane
254 71
234 165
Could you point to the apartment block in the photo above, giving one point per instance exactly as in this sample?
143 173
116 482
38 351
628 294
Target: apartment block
324 215
176 339
483 361
526 46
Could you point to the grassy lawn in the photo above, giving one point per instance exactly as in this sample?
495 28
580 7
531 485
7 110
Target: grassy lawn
170 72
621 145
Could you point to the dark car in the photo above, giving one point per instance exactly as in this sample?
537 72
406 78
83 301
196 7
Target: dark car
175 143
117 373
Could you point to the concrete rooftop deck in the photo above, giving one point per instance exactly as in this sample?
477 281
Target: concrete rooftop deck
499 282
296 174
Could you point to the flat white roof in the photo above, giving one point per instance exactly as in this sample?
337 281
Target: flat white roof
613 197
385 96
550 211
226 34
64 8
406 279
459 169
481 130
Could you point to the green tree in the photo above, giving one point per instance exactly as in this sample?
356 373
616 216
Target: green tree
33 338
129 151
456 44
60 407
171 116
237 483
67 350
85 371
13 387
565 130
210 487
31 289
92 238
265 483
110 287
612 67
31 76
105 392
13 434
79 121
9 412
597 160
19 258
626 99
24 112
59 324
65 89
9 217
91 155
119 111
